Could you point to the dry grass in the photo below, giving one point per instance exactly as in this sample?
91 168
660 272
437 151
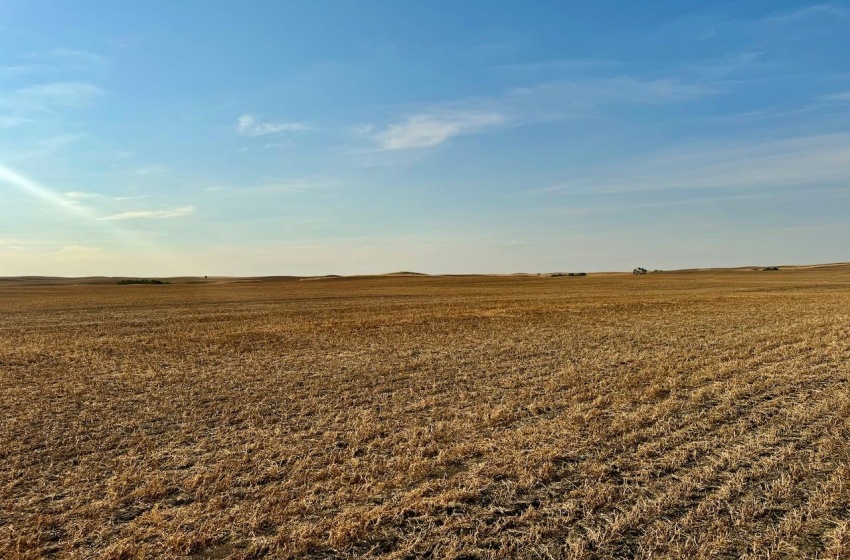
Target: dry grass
689 415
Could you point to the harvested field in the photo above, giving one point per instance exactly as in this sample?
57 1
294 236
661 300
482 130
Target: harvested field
686 415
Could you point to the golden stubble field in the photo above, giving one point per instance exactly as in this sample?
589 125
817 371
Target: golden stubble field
680 415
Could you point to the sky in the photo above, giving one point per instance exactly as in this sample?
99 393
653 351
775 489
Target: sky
338 137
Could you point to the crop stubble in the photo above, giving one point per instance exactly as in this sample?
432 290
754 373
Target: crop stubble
686 415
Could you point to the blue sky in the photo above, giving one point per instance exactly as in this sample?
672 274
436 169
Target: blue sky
273 137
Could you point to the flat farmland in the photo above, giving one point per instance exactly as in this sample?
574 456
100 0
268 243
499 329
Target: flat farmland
699 414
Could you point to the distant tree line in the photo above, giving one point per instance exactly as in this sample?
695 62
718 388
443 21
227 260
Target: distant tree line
128 281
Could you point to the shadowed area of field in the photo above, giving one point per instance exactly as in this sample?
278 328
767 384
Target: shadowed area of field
701 414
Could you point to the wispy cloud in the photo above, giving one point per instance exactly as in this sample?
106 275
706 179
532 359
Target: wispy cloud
78 253
52 96
18 70
11 122
61 59
827 8
792 162
151 214
299 184
565 97
54 62
248 125
579 97
75 57
285 143
273 186
33 188
555 100
561 65
44 147
840 96
607 203
77 195
424 130
149 169
12 244
739 65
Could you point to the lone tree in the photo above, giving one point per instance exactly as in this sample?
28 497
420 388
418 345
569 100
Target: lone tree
639 270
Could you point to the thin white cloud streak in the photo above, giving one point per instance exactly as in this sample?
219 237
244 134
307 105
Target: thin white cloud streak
248 125
744 65
21 182
51 96
624 90
16 70
615 203
794 162
151 214
11 122
149 169
588 97
768 113
827 8
279 186
12 244
75 57
60 59
78 254
55 62
563 64
425 130
301 184
843 96
70 201
44 147
565 99
26 104
83 259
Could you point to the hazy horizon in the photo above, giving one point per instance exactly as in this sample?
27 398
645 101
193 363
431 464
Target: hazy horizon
750 266
283 138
